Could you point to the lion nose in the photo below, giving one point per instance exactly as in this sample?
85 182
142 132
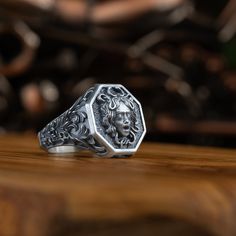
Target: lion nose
126 120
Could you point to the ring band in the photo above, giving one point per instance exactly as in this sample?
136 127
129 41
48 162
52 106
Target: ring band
107 120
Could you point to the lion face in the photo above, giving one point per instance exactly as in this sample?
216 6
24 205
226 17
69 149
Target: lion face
122 120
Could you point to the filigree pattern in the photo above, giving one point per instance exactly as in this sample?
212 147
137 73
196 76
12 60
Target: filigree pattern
71 128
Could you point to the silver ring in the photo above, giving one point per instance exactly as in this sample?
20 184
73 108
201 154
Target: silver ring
107 120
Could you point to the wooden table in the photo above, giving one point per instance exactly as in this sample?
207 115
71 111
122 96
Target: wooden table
162 190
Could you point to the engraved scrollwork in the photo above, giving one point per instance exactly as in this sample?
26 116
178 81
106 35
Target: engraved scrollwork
71 128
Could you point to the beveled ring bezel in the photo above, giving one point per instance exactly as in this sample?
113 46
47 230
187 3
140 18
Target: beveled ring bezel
93 127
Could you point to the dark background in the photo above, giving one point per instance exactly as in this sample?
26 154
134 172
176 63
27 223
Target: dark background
177 57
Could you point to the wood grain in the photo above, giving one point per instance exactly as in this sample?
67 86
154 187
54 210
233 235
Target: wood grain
164 189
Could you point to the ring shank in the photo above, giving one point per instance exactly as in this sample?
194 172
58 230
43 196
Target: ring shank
63 149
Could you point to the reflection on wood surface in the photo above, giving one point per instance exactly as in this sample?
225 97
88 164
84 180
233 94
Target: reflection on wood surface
164 189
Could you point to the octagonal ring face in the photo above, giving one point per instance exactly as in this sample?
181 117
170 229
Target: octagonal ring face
117 119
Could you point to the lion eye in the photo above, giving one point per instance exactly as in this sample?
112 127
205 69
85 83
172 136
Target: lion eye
119 117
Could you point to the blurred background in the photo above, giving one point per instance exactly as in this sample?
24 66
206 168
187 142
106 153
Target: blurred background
178 57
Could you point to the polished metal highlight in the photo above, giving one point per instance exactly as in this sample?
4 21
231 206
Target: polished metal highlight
107 120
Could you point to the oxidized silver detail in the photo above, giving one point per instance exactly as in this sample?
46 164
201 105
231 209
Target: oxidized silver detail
107 120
